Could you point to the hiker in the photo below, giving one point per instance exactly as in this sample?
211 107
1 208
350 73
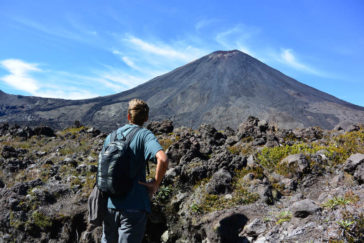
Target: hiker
126 216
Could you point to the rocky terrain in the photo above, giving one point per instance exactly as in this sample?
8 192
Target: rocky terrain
257 183
222 84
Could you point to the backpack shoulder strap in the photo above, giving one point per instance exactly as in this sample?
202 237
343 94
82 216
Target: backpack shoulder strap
131 134
113 136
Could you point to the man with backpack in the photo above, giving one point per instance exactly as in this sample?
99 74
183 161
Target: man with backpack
126 215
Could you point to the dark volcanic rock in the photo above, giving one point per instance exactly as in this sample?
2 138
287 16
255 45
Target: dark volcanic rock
255 228
44 130
295 165
212 192
210 135
23 187
226 227
302 209
220 182
9 152
183 147
163 127
4 127
95 132
227 161
355 166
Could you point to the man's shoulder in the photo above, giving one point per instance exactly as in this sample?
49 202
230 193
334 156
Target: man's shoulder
142 133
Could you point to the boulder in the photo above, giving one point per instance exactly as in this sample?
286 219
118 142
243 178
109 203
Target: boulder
44 130
254 228
43 196
4 128
193 171
248 128
263 125
232 140
229 131
295 164
9 152
359 173
353 162
227 161
14 165
259 141
304 208
22 188
70 161
220 182
309 134
210 135
163 127
226 227
353 128
264 191
182 147
93 131
355 166
25 132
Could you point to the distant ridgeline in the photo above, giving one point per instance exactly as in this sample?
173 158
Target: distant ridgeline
222 89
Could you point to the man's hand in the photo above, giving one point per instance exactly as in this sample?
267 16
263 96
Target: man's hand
151 186
162 165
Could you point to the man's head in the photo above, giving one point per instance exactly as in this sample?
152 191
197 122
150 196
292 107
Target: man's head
138 112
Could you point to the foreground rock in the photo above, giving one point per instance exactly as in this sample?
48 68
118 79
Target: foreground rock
256 184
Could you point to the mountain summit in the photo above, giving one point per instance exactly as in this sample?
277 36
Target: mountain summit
222 88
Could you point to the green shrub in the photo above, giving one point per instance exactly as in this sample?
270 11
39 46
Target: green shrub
284 216
270 157
164 193
41 220
234 149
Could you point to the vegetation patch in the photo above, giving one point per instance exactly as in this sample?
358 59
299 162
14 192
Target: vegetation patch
337 149
352 227
240 194
72 130
163 194
257 171
234 149
284 216
166 142
41 220
15 222
349 198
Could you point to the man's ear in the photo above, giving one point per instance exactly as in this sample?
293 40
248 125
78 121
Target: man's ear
128 117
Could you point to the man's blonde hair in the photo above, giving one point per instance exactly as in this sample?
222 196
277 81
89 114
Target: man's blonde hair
138 111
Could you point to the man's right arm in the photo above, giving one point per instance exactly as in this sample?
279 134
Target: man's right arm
162 166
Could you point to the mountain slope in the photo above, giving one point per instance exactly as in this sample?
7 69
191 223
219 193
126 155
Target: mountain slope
222 89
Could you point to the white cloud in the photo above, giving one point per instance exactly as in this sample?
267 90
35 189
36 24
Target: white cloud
287 57
72 95
185 53
238 37
19 77
118 77
204 23
129 62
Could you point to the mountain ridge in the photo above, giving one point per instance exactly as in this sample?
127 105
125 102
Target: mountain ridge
222 88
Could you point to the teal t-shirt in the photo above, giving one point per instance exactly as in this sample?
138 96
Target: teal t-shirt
144 147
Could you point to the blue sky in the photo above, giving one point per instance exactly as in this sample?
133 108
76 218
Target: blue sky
87 48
